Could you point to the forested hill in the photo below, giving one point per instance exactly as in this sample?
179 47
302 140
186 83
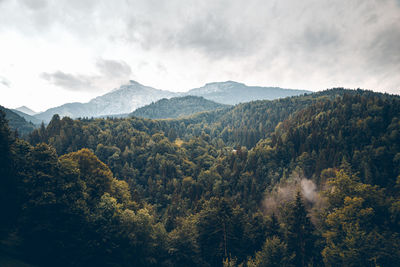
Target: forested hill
361 128
176 107
27 117
17 122
303 181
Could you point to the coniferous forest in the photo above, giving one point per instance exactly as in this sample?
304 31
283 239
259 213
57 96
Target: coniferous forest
311 180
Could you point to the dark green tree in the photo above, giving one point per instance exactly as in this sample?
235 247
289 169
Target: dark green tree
300 233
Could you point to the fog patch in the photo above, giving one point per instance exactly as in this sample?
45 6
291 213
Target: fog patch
309 190
285 192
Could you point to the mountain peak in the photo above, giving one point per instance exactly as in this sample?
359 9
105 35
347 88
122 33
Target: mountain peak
128 86
123 99
26 110
135 82
223 83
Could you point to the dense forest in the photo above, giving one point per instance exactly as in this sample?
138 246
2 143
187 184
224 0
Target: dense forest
310 180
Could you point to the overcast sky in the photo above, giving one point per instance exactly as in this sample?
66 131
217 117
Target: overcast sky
52 52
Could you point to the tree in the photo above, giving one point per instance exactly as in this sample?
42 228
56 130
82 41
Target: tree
273 254
183 247
8 183
358 225
221 232
300 233
94 173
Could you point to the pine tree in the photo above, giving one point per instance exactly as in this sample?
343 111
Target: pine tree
300 233
8 184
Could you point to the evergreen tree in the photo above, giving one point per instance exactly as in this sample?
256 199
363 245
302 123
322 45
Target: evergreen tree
300 233
8 182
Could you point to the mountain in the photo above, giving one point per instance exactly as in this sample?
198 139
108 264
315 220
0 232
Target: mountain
176 107
125 99
27 117
232 93
17 122
134 95
26 110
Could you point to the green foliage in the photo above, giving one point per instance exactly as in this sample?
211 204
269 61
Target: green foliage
94 173
300 234
7 180
183 246
192 191
358 228
221 230
273 254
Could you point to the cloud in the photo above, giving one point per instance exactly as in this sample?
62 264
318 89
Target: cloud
385 48
310 43
113 68
5 82
68 81
112 74
35 4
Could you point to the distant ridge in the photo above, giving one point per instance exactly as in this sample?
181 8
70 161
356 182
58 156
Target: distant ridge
26 110
233 93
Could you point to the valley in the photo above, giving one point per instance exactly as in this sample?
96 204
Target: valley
283 181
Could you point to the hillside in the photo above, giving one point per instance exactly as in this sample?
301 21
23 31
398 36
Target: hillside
27 117
17 122
176 107
232 93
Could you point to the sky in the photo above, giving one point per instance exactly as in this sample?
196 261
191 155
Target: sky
53 52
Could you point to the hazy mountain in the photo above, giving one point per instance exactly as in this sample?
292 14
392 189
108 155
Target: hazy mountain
17 122
134 95
27 117
176 107
26 110
125 99
232 93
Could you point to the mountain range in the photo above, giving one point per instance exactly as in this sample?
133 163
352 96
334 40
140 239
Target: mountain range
134 95
232 93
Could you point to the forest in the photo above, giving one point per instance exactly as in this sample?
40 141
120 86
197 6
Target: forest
310 180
